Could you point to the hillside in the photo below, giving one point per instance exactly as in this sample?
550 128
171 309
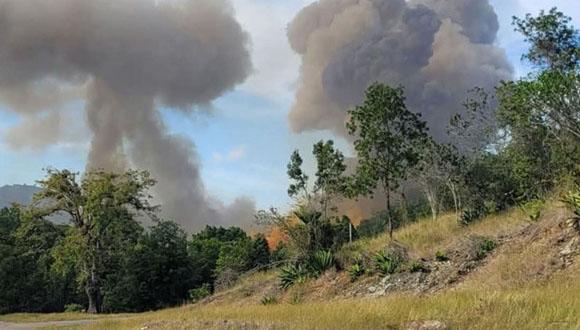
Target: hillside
531 280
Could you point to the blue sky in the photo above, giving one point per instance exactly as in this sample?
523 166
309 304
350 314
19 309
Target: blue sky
244 142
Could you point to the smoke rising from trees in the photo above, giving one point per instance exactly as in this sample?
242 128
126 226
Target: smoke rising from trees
125 58
436 49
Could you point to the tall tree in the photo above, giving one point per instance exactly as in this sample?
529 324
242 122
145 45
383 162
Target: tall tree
330 182
387 136
97 205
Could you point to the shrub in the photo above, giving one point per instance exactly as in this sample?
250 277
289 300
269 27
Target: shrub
533 209
472 214
441 256
269 300
355 271
387 262
572 200
291 275
198 294
73 308
321 261
486 247
417 266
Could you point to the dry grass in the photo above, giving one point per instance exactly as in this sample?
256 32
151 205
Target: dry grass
552 306
423 238
37 317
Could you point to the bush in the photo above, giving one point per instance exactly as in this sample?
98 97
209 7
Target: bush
355 271
321 261
417 266
533 209
269 300
387 262
486 247
73 308
291 275
441 256
572 200
472 214
198 294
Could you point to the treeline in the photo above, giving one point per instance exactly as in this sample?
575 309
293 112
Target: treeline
109 262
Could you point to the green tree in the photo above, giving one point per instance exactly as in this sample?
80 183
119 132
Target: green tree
101 204
330 180
387 136
554 43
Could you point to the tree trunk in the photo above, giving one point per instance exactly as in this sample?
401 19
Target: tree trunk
93 292
389 217
405 210
456 201
431 197
92 288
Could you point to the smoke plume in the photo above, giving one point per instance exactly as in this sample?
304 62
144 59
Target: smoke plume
436 49
125 58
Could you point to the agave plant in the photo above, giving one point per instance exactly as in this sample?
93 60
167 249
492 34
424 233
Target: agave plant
573 202
291 275
387 263
355 271
321 261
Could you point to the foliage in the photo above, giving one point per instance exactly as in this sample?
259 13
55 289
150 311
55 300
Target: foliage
441 256
73 308
269 300
356 270
417 266
321 261
572 200
485 247
102 208
533 209
387 136
554 42
292 274
199 293
388 262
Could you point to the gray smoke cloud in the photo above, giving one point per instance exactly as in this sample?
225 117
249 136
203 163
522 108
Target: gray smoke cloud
436 49
125 58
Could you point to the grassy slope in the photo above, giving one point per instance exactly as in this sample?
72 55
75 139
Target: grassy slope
517 288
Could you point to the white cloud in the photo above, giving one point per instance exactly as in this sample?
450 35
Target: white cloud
233 155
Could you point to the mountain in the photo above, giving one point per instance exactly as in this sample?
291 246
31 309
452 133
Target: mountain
18 193
22 194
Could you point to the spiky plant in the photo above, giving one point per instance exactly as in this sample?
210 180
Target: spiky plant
291 275
387 263
321 261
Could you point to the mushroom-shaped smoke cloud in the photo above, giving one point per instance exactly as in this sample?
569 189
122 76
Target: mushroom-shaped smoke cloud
125 58
436 49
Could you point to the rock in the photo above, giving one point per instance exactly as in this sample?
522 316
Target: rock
427 325
372 289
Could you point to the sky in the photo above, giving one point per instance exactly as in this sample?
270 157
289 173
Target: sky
244 140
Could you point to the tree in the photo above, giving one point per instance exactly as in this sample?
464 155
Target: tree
299 180
330 183
97 206
555 44
439 167
387 136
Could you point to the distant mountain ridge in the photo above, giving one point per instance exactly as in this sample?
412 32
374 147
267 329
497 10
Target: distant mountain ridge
22 194
17 193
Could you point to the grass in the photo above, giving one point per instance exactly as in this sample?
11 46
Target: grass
551 306
423 238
